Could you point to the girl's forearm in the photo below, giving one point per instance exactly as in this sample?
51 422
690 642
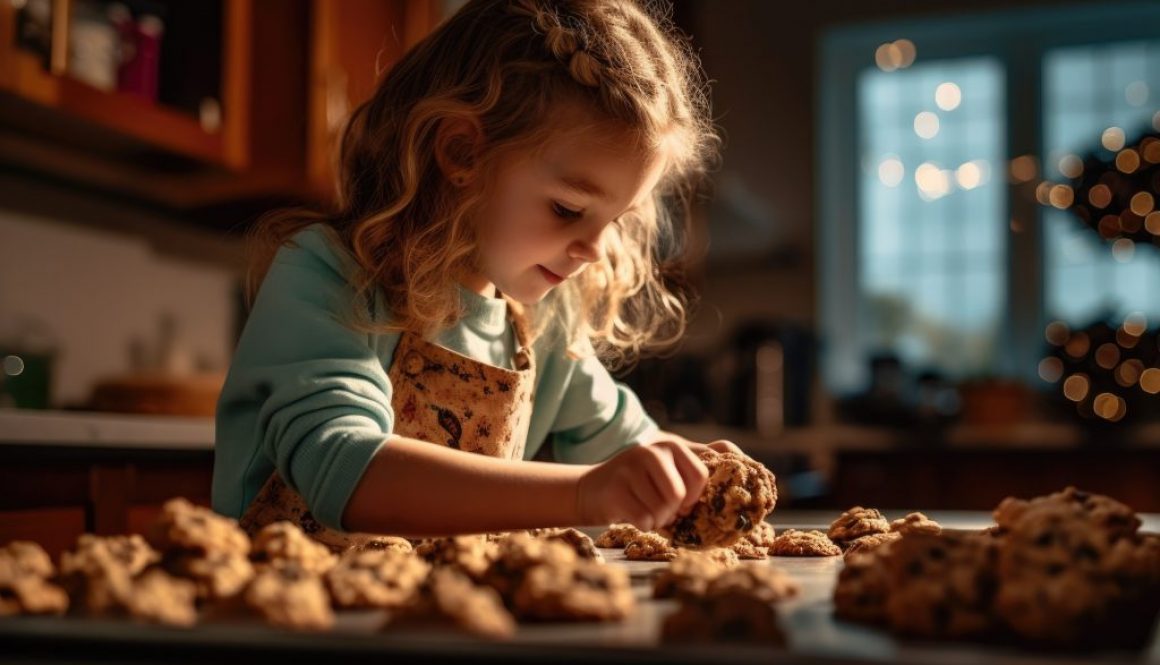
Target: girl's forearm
415 488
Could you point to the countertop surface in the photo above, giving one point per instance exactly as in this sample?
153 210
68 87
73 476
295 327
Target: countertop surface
103 430
814 635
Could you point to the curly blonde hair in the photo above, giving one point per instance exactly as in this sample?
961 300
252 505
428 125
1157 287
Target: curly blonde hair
504 66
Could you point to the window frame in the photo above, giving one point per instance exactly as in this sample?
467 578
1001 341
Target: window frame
1019 40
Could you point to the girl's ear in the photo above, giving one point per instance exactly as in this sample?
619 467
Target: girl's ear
457 144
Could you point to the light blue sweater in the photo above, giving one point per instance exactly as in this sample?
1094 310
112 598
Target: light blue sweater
311 398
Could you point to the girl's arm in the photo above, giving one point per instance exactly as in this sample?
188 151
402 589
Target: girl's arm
415 488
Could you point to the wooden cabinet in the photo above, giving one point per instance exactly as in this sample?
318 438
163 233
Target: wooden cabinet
352 43
282 75
52 494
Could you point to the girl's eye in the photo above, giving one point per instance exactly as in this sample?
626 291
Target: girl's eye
566 213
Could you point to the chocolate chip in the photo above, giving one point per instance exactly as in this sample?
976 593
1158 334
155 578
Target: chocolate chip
734 629
1087 552
719 503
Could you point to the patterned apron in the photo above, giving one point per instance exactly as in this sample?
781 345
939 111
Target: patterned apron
439 396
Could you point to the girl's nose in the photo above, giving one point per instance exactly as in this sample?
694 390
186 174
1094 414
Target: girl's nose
585 250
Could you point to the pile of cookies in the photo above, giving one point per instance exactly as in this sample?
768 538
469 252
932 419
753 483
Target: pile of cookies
1066 570
193 565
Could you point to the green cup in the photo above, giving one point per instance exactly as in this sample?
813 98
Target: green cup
25 379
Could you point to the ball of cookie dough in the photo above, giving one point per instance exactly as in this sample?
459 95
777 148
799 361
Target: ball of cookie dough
739 494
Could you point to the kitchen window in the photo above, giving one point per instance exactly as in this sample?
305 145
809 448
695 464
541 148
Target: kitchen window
932 246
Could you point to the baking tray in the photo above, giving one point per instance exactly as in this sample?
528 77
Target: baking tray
814 637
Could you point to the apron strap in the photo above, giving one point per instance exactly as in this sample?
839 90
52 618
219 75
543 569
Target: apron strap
517 314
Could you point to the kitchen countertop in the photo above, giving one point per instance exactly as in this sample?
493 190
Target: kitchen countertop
103 430
814 635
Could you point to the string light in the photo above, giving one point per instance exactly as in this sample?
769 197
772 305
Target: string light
1108 370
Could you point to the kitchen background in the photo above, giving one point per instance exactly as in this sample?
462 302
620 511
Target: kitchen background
933 266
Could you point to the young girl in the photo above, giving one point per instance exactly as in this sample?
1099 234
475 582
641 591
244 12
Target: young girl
510 198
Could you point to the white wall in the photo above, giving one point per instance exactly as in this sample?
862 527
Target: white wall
94 289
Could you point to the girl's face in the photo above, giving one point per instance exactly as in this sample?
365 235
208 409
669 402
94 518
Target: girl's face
549 211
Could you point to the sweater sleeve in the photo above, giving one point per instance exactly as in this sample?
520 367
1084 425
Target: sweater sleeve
598 416
305 392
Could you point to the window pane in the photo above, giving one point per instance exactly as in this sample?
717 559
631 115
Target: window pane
1087 90
931 204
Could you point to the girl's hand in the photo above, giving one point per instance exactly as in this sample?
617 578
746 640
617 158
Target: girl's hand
647 485
721 445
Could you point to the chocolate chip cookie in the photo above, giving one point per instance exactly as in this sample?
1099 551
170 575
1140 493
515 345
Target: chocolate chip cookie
117 576
763 582
649 546
762 535
182 526
25 586
855 523
688 575
1113 517
581 591
289 596
283 542
1066 580
383 544
450 598
217 576
941 586
94 554
376 579
574 538
792 542
862 588
617 536
746 549
915 523
517 555
472 554
726 616
873 541
739 494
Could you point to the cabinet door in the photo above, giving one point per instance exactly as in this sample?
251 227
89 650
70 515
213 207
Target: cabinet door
353 43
